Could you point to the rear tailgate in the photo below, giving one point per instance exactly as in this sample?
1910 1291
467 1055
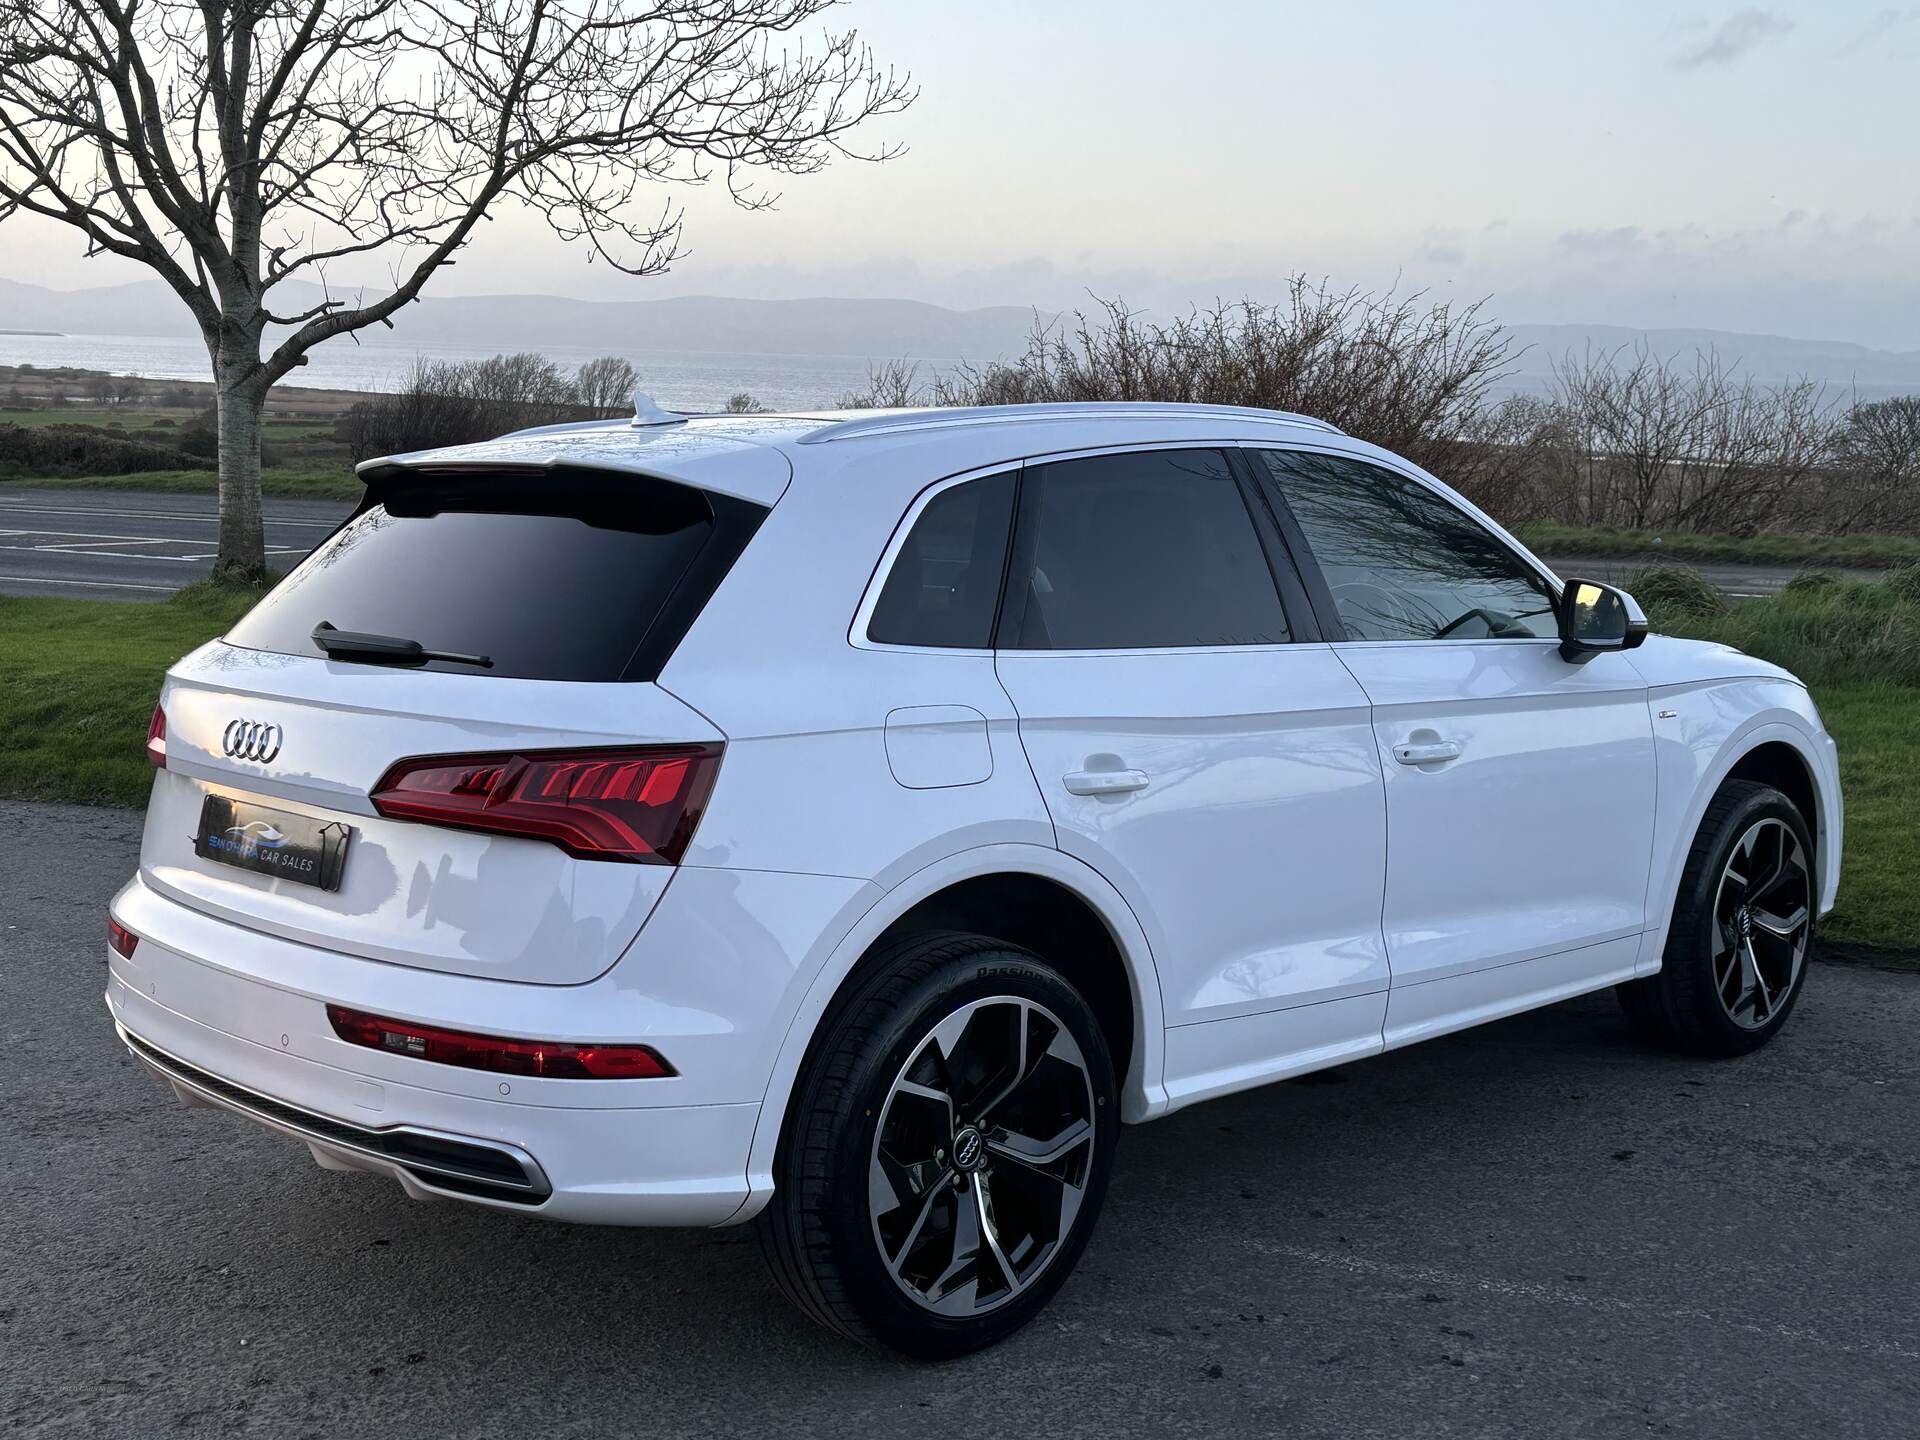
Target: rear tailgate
563 595
410 893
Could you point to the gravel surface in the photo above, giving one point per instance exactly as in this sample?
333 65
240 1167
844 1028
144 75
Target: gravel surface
1534 1229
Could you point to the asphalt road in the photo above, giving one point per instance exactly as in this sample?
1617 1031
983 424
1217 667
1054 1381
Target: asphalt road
1537 1229
123 545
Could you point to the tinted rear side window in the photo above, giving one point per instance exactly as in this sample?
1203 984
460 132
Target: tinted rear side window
944 587
551 576
1149 550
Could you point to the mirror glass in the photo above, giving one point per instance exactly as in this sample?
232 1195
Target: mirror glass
1599 614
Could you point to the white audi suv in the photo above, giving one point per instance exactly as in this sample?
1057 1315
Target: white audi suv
847 822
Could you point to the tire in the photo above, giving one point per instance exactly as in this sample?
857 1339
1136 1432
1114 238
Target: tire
1710 997
878 1191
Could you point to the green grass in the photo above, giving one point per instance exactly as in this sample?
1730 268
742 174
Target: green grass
1602 542
287 482
78 679
1878 731
155 424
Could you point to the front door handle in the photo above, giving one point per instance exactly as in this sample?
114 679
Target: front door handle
1431 752
1104 782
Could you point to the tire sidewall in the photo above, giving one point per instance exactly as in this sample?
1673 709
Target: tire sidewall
991 970
1699 891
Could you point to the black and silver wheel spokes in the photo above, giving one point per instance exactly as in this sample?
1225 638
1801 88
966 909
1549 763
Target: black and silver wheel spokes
1761 922
982 1156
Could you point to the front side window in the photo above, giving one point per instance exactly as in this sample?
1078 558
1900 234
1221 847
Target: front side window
1143 551
1403 563
944 587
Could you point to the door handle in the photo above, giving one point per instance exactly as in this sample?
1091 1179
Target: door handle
1104 782
1431 752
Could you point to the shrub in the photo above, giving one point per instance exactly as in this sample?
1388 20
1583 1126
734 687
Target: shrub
1669 591
69 450
1904 582
1807 582
454 403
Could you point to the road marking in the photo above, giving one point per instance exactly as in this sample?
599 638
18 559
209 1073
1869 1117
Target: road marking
20 508
90 584
1428 1277
83 547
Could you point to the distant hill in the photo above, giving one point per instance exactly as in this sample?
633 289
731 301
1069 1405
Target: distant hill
1767 359
868 329
878 330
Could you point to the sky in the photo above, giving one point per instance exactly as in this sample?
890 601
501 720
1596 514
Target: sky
1735 167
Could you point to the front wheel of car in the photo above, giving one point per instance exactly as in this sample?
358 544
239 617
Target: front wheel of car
946 1151
1736 954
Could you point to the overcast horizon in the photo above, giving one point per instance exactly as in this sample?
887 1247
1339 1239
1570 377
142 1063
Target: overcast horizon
1720 167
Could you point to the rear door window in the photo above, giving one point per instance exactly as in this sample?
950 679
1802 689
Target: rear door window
944 587
1150 550
553 576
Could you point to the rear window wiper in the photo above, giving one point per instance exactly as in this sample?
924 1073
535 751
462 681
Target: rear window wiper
385 649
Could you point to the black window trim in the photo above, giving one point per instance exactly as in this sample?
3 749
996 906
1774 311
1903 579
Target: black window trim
1299 615
1316 580
858 632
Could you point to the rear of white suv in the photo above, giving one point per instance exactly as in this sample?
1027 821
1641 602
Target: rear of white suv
383 905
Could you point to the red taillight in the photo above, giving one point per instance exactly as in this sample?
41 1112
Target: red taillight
549 1059
120 938
640 804
157 738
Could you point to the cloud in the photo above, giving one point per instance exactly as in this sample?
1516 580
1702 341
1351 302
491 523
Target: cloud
1602 242
1739 33
1880 25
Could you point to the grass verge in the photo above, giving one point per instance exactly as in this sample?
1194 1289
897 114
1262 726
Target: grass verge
1604 542
282 482
78 679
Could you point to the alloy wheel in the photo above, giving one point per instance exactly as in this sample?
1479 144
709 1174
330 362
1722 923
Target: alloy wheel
1762 919
982 1156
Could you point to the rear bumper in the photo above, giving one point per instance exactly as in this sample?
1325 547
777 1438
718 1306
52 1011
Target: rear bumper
237 1020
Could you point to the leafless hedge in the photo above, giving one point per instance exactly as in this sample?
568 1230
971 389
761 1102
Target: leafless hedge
1395 369
1624 437
446 402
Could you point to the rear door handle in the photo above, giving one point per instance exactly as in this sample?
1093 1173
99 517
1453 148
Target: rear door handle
1430 753
1104 782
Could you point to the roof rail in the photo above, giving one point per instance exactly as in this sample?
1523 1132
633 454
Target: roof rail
895 421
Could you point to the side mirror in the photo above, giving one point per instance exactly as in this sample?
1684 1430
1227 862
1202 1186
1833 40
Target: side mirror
1595 618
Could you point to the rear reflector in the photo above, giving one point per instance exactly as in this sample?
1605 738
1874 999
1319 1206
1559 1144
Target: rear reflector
120 938
157 738
549 1059
634 804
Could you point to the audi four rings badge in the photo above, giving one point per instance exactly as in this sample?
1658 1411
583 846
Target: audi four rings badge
251 740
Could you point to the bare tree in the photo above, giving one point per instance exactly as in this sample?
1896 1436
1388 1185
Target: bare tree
1877 455
1395 369
605 386
234 145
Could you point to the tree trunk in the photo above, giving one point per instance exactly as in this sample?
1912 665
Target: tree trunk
243 542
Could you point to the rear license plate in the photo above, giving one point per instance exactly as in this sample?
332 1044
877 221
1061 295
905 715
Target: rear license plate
272 842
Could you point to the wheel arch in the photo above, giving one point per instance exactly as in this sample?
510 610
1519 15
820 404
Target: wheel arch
1019 893
1782 749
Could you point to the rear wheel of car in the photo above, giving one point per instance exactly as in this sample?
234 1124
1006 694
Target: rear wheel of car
1736 954
947 1149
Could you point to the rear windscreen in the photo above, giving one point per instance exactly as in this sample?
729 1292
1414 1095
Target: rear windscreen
549 577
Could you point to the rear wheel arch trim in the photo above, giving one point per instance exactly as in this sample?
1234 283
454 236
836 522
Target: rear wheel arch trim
1143 1093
